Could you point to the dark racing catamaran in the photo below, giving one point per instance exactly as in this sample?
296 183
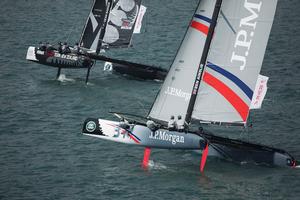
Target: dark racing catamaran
110 24
214 79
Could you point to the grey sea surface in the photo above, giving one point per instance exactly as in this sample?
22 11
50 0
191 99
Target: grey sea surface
43 154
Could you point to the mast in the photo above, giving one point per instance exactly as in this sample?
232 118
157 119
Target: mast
200 71
103 28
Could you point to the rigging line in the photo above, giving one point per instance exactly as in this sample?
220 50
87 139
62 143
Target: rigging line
70 32
143 107
228 23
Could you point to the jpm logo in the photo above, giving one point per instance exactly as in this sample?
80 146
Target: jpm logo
166 136
246 33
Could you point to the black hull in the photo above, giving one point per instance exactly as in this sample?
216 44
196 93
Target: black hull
51 57
55 59
147 73
133 69
241 152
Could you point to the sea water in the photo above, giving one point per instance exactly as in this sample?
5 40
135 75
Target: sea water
43 154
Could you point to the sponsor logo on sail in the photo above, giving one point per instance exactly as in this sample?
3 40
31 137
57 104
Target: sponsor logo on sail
246 33
166 136
178 93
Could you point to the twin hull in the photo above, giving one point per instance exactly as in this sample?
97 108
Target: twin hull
225 148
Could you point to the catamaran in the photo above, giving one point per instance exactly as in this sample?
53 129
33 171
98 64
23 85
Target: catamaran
110 24
213 80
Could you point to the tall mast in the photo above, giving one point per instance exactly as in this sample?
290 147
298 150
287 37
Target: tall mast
200 71
103 28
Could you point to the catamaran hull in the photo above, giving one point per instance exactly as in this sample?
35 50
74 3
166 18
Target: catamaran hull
141 135
54 59
147 73
224 148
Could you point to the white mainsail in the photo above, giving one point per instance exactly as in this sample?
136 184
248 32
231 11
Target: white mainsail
232 65
234 61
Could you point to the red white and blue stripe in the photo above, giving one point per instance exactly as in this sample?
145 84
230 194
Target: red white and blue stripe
230 95
201 23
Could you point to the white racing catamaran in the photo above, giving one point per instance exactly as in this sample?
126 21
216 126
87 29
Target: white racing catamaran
214 79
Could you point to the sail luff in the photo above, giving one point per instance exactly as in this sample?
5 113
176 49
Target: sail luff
203 61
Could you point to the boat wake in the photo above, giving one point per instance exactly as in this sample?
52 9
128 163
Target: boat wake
62 78
156 166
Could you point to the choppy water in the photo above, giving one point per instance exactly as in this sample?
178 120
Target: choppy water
44 156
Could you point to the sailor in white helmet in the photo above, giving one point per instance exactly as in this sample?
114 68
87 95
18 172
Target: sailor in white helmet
180 124
172 124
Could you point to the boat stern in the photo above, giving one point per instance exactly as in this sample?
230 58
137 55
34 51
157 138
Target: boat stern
31 54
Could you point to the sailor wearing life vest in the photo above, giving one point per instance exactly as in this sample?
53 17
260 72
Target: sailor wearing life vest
172 124
180 124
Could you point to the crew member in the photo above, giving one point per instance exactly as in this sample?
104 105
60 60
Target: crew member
180 124
42 46
151 125
59 48
172 124
65 48
76 48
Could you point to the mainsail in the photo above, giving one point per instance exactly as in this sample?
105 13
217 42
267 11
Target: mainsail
110 24
121 23
234 61
232 66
